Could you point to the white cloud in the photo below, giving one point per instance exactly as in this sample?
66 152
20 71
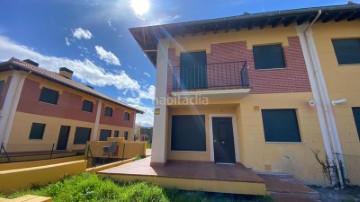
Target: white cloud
148 94
85 70
110 25
81 33
145 119
107 56
67 41
147 74
164 19
88 72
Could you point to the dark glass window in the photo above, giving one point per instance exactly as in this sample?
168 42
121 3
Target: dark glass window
1 86
268 57
347 50
356 113
126 135
127 116
82 135
188 133
116 133
104 134
49 96
281 125
193 70
87 106
37 131
108 111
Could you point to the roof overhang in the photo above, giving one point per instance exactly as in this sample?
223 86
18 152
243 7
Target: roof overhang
148 37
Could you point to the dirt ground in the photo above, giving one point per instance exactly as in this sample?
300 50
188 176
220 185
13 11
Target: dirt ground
347 194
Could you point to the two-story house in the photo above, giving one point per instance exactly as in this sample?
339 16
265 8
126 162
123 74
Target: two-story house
40 108
266 90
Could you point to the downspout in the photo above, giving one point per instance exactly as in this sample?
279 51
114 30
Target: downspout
323 100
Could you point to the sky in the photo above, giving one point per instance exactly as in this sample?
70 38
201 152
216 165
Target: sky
92 38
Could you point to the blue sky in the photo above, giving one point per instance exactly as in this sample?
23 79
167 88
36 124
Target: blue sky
91 37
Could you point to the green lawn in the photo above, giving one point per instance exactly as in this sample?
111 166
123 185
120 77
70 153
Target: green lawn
91 187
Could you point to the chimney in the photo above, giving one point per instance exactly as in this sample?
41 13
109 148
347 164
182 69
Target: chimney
65 72
31 62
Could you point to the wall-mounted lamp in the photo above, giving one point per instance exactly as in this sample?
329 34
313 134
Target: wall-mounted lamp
312 102
339 101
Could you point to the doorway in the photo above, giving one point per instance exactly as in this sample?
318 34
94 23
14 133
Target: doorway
223 140
63 138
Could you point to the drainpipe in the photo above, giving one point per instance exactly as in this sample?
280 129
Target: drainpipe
322 95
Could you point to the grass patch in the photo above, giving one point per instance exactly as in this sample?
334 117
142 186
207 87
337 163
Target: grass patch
148 145
91 187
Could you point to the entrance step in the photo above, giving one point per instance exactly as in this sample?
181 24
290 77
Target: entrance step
283 187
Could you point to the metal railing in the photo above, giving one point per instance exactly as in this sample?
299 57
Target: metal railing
31 151
212 76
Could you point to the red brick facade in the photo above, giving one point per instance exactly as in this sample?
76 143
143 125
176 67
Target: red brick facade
117 118
69 106
293 78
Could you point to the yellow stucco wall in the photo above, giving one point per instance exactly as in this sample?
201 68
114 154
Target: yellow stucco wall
254 152
120 129
19 137
342 81
28 164
198 110
4 75
17 179
252 37
249 188
126 149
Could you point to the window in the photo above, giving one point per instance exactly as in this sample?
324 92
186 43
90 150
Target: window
126 135
347 51
356 113
188 133
268 57
49 96
104 134
116 133
280 125
37 131
87 106
108 111
193 70
127 116
1 86
82 135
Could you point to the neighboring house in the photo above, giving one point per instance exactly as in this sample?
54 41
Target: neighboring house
40 108
257 90
144 137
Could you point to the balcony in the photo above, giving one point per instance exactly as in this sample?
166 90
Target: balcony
229 79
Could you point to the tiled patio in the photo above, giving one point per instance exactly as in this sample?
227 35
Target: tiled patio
202 176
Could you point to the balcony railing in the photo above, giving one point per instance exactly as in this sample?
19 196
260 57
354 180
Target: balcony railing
212 76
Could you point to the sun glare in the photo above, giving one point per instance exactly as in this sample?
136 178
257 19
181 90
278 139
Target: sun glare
140 7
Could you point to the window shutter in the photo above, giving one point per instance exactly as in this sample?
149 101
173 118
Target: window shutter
347 50
268 57
188 133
